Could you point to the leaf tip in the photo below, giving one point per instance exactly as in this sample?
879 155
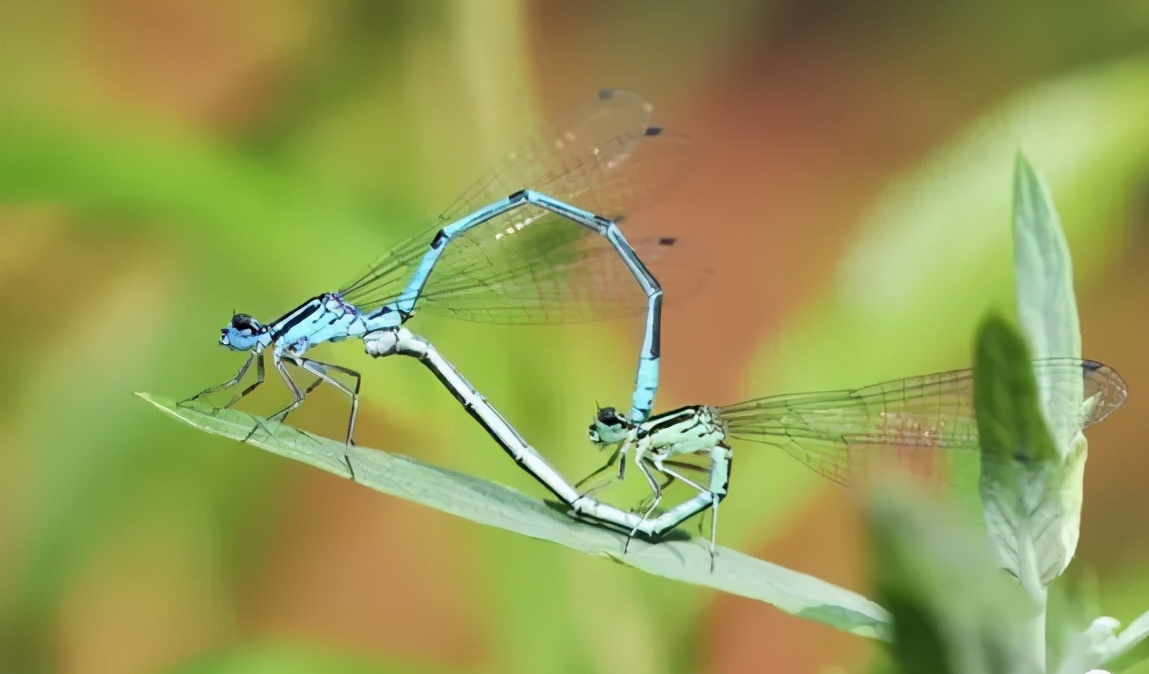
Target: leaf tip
148 397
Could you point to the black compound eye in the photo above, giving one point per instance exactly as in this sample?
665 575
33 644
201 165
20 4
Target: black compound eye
242 322
607 415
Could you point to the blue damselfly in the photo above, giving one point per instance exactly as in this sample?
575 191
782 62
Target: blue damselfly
535 240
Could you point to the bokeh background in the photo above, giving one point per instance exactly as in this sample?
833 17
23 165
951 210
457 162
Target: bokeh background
163 163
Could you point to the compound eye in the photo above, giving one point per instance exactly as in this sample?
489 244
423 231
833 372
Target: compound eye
607 415
243 322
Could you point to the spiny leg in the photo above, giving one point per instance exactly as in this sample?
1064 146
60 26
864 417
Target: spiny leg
642 466
662 487
713 534
672 475
701 490
259 374
320 370
298 396
619 457
306 392
626 445
230 382
599 471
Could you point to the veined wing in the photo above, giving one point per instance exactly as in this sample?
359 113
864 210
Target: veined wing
386 277
849 435
570 158
581 280
505 269
566 159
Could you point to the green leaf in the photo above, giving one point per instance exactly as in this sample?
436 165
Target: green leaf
1046 305
1072 599
1130 648
1031 516
933 252
953 611
1078 644
495 505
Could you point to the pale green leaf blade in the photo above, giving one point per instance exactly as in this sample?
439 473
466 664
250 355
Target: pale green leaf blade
1046 304
1131 647
495 505
953 611
1032 513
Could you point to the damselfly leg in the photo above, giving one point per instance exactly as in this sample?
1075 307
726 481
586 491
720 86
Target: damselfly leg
258 357
298 397
672 475
319 369
656 499
260 374
671 478
618 456
646 500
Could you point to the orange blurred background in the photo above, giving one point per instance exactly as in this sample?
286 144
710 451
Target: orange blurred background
164 163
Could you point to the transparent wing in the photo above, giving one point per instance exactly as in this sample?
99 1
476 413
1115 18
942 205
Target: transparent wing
566 157
581 280
851 437
570 158
532 265
386 276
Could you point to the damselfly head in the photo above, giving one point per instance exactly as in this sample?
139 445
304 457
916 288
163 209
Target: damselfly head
242 333
609 427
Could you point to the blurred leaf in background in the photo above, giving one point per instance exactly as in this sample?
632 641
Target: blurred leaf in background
954 612
162 164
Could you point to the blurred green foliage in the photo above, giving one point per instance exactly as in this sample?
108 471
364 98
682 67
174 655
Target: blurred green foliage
162 164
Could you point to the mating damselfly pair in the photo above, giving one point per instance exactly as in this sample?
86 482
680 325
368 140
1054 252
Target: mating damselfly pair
538 240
